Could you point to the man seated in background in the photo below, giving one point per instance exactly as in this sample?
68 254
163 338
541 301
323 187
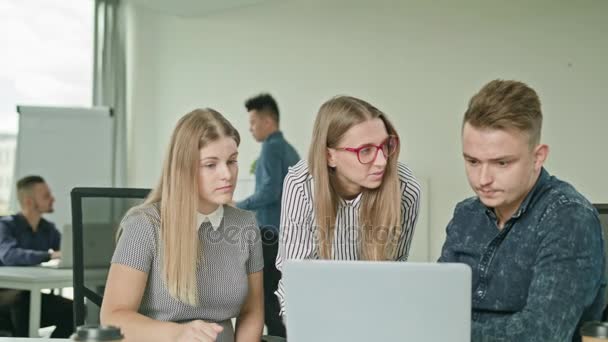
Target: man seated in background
534 243
26 238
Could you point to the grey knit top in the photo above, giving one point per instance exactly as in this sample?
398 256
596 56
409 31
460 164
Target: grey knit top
230 253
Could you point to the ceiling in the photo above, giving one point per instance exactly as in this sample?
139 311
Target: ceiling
192 8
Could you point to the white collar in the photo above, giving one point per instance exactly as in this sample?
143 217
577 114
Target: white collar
215 218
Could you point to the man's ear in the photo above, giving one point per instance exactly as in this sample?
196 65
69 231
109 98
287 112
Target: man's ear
264 119
268 121
541 153
27 201
331 157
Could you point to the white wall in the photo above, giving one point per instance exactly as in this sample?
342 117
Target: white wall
418 61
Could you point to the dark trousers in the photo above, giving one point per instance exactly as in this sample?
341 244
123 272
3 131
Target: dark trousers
272 276
56 310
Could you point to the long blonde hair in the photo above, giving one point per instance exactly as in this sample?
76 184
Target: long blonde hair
177 194
380 213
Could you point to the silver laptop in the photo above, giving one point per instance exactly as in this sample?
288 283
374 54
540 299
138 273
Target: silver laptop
98 247
358 301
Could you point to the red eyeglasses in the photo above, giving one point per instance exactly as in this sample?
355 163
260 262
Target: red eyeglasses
368 153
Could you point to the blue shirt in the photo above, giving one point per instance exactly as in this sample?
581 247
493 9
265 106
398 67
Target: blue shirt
21 246
271 168
539 276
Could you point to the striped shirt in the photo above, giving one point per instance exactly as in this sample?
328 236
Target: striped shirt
230 253
298 230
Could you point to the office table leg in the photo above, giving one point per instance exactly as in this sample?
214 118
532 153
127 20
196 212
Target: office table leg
35 307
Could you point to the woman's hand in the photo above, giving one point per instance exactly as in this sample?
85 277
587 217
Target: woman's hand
199 331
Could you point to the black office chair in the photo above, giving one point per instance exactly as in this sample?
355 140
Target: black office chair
96 211
602 208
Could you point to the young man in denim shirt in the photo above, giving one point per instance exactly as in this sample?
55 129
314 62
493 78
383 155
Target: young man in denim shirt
533 242
271 168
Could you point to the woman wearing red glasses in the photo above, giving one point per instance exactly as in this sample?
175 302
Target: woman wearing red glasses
352 199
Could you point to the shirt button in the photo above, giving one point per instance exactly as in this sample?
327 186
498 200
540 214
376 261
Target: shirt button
480 293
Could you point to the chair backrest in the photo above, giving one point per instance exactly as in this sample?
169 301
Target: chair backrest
603 211
602 208
96 215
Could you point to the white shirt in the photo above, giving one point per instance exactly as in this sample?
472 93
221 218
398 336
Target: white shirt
297 238
215 218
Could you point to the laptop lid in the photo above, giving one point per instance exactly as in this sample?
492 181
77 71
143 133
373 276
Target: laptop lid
66 246
98 246
357 301
66 250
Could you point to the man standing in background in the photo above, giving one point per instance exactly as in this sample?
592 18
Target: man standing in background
26 239
271 167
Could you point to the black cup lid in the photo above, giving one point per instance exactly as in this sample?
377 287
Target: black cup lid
97 333
595 329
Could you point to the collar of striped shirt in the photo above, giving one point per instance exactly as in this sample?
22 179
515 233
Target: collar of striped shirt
350 203
215 218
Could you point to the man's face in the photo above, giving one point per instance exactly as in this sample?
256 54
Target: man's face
42 198
501 166
258 125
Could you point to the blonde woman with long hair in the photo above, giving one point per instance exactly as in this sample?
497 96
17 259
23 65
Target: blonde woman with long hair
352 199
186 263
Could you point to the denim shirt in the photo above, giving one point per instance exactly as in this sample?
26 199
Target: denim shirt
271 168
21 246
538 277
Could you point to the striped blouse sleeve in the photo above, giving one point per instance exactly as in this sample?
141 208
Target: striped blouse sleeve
296 238
410 205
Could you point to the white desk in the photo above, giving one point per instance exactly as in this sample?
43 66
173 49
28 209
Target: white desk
36 278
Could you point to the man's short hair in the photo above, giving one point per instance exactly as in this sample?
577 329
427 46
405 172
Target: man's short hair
505 105
25 185
264 104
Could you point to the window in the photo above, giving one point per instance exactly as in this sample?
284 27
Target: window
46 59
